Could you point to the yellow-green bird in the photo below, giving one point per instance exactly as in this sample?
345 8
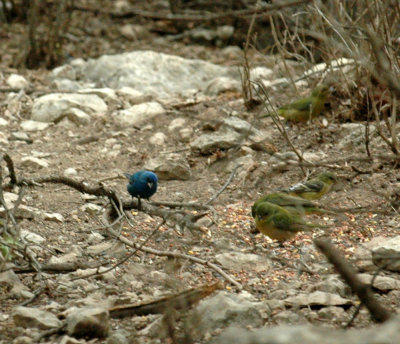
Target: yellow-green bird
306 108
314 188
279 223
294 204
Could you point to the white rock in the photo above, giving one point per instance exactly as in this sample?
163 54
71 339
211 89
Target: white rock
3 122
133 96
222 84
33 162
95 238
105 92
225 32
24 212
153 73
70 171
17 81
64 72
343 64
53 106
134 32
32 237
186 134
176 124
91 208
3 138
260 72
30 125
10 198
27 317
140 113
77 116
158 139
56 217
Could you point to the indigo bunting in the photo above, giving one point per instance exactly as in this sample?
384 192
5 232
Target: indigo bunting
142 184
294 204
313 188
279 223
305 108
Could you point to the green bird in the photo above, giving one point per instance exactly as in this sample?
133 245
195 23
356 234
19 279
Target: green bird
306 108
314 188
279 223
294 204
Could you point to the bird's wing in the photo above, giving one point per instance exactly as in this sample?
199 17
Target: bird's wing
283 222
310 186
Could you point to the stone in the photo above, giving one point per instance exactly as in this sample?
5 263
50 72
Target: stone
11 281
20 136
90 322
23 212
68 258
288 317
34 163
66 85
9 198
77 116
69 340
158 139
17 81
134 32
334 285
260 73
32 237
331 313
316 298
386 333
33 125
243 261
153 73
55 217
382 255
170 166
220 140
70 171
138 114
55 106
27 317
382 283
64 72
224 308
176 124
3 122
104 93
91 208
132 95
239 125
222 84
119 337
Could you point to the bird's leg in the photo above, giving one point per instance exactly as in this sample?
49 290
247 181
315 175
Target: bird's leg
139 203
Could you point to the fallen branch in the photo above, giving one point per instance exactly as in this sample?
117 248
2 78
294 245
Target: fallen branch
180 301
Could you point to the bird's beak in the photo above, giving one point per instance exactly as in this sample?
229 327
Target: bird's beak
150 184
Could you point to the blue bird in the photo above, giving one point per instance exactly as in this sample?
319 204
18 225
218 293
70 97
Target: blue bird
142 184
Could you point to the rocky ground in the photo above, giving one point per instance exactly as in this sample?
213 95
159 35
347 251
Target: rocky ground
185 119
